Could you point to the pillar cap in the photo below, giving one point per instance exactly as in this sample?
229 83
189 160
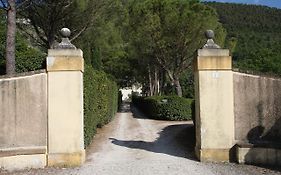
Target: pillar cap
65 52
213 52
65 60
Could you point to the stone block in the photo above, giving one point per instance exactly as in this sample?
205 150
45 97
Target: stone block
65 52
65 63
21 162
241 154
214 63
258 156
213 52
65 60
66 159
214 155
278 162
271 156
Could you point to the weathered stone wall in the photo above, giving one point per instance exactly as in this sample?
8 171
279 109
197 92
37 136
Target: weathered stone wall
41 113
23 115
257 108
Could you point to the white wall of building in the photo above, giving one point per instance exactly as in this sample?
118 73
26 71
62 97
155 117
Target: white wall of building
127 92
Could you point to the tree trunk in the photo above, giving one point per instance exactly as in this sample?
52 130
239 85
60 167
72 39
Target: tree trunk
52 42
150 82
10 38
162 81
156 82
175 82
178 87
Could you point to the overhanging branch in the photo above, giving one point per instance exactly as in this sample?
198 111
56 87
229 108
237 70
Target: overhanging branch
4 5
79 33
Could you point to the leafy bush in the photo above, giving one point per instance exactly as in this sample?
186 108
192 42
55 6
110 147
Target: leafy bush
165 107
28 58
100 101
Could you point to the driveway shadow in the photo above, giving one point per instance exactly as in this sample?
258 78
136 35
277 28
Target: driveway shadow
125 107
174 140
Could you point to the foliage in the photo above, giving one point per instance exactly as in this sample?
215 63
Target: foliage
253 35
2 44
104 44
10 50
264 60
167 33
47 17
28 58
187 81
100 101
165 107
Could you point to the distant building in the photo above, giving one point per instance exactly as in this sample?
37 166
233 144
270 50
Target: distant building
127 92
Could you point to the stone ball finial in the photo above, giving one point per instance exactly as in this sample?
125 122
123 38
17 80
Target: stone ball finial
65 32
210 34
210 44
65 42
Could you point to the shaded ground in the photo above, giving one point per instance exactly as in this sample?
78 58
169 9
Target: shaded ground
134 145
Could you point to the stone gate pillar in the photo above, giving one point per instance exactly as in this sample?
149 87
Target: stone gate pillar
65 66
214 102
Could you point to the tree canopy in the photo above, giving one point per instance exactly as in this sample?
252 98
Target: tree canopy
151 42
166 34
47 17
27 57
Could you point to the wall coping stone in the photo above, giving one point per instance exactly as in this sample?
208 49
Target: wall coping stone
259 144
257 74
23 74
8 152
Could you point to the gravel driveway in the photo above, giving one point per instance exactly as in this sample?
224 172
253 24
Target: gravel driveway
134 145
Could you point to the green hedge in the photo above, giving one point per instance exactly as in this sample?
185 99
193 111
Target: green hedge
165 107
100 101
28 58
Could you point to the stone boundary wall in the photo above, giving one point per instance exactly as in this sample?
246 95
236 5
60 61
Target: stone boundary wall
41 114
237 115
257 108
23 120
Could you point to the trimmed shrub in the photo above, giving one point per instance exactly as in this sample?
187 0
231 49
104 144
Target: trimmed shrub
165 107
100 101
